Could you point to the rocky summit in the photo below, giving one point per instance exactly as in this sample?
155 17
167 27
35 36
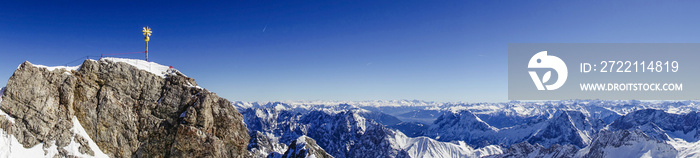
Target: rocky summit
127 110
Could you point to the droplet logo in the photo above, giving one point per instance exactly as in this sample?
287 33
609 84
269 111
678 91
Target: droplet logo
542 60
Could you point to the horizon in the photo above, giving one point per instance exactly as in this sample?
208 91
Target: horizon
345 51
321 102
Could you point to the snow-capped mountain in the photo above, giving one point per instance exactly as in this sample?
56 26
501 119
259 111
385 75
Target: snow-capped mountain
342 133
525 149
464 126
304 147
684 126
427 147
516 129
625 143
565 127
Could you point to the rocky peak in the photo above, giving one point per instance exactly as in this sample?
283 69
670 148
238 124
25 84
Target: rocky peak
305 147
525 149
681 123
567 127
462 125
463 119
626 143
126 108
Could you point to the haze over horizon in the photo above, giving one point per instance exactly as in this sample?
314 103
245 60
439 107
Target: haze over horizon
346 51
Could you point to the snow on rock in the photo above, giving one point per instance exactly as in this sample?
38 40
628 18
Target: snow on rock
44 101
525 149
428 148
152 67
52 68
8 117
304 147
2 113
685 149
10 146
72 148
190 85
625 143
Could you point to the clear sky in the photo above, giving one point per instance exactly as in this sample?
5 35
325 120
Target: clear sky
333 50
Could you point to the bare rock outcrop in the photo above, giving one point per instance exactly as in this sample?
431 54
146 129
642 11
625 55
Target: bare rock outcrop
127 111
304 147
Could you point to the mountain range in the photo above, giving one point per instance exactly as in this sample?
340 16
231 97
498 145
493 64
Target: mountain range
570 128
116 107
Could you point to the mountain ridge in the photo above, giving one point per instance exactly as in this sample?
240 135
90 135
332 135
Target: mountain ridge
544 129
133 108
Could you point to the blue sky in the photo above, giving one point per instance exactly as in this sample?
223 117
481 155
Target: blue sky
333 50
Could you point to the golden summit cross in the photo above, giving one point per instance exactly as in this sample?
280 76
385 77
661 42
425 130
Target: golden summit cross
147 32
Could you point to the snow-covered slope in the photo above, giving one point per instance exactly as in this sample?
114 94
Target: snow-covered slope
684 148
624 143
525 149
464 126
568 127
428 148
151 67
684 126
304 147
10 147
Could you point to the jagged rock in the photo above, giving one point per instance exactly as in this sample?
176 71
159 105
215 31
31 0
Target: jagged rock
305 147
127 111
567 127
411 129
628 144
31 97
655 120
343 134
261 145
462 125
525 149
84 147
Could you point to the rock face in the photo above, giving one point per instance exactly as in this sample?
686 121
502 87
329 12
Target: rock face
625 143
127 111
679 123
305 147
525 149
564 127
262 146
343 134
462 125
567 127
